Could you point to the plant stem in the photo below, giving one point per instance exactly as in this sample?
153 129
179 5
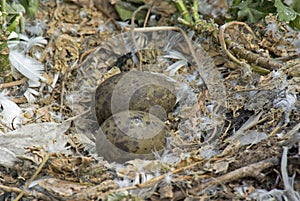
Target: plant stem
5 68
3 11
195 12
3 4
183 10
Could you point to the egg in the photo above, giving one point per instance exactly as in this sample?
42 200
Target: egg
140 91
130 134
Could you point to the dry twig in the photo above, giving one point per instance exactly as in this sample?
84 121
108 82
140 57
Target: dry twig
253 170
27 194
159 178
15 83
32 178
261 64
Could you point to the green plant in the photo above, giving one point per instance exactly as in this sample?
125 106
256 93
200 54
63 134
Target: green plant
190 16
12 19
253 11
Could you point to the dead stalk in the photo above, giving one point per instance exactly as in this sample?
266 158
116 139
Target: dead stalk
253 170
222 38
32 178
12 84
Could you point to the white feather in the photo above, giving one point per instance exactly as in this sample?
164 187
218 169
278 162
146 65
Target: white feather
11 113
27 66
176 66
173 54
31 42
182 61
29 95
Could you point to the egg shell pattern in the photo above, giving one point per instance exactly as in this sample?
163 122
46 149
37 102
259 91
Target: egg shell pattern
135 132
135 91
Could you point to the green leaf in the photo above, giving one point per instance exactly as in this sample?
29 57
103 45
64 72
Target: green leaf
248 10
296 5
14 8
125 11
31 7
295 24
13 17
285 13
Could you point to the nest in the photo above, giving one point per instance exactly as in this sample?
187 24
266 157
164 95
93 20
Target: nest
234 134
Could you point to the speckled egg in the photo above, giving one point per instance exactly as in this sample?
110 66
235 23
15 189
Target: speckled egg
134 132
141 91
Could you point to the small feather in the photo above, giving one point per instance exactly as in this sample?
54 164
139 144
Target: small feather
31 42
176 66
29 95
29 67
173 54
12 35
11 113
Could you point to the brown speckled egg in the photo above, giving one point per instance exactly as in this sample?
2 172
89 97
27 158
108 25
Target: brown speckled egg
134 132
135 91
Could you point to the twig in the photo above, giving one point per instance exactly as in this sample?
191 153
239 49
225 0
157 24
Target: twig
32 178
222 38
19 100
79 115
253 170
243 53
135 13
265 63
27 194
148 13
68 71
15 83
225 133
159 178
83 56
62 94
274 131
132 33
